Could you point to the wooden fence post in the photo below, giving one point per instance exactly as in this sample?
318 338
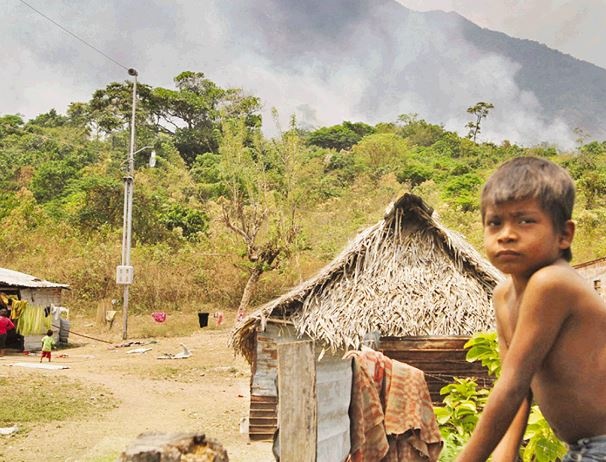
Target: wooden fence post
297 418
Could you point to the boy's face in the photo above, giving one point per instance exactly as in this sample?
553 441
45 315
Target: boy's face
520 238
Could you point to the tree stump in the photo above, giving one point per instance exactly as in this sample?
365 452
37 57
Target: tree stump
174 447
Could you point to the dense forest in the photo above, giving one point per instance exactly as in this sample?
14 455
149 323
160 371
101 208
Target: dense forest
229 216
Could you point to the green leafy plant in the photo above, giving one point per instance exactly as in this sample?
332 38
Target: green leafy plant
542 445
484 347
463 402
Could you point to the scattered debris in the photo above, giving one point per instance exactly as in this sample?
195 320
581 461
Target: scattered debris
138 351
244 426
41 366
131 343
181 355
9 430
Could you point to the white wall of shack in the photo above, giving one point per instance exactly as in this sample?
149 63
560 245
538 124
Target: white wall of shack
333 390
596 275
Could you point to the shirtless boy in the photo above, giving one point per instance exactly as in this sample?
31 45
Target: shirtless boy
551 323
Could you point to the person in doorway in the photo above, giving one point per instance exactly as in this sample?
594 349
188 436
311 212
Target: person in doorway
47 345
5 325
550 321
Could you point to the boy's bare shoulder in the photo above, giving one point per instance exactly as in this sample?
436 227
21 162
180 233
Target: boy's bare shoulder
499 294
558 276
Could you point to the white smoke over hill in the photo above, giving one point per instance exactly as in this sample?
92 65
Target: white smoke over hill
325 61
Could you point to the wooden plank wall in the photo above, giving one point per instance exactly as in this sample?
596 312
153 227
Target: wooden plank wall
297 404
263 417
441 358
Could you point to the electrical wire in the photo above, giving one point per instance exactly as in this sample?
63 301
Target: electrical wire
75 36
82 335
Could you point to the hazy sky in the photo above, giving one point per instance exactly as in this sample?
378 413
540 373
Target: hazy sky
575 27
44 67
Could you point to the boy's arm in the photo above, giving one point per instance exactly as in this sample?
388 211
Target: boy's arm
542 310
509 446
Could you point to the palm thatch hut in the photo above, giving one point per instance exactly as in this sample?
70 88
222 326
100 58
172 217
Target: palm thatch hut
418 287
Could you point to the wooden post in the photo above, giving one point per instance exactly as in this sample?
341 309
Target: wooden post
297 402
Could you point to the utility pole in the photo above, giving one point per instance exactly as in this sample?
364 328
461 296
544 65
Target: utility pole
125 272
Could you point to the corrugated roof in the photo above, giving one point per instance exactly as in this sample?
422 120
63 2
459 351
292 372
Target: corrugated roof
17 279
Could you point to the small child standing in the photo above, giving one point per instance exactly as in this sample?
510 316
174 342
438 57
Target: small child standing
47 345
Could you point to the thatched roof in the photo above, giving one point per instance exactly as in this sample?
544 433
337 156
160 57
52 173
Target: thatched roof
407 275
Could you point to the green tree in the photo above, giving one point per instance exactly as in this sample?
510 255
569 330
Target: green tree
110 108
418 131
189 220
379 154
338 137
193 112
10 124
260 206
95 200
480 110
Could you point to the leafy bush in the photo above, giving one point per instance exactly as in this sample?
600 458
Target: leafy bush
463 402
189 220
339 137
484 347
541 443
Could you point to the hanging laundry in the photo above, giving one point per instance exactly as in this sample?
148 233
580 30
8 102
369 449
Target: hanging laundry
391 414
218 317
31 319
159 316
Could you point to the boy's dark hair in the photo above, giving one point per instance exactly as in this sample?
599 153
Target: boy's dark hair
49 332
533 178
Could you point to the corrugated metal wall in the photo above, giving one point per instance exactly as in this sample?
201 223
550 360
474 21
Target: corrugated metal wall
333 391
263 419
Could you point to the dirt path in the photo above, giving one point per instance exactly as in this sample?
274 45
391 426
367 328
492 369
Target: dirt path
207 392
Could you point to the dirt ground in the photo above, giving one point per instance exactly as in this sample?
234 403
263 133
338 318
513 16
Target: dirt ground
207 392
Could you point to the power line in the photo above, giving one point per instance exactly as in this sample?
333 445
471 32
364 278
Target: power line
74 35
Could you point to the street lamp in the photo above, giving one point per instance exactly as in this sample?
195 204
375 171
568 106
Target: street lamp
125 271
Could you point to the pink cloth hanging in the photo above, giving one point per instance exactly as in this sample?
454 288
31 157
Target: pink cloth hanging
159 316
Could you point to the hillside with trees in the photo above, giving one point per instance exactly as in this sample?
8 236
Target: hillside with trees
230 217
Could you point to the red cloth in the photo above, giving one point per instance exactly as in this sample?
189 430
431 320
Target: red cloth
159 316
368 437
218 318
5 325
410 422
397 404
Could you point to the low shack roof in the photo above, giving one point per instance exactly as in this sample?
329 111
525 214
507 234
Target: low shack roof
16 279
408 275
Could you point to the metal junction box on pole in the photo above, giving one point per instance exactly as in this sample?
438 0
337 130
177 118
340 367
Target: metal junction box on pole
124 274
